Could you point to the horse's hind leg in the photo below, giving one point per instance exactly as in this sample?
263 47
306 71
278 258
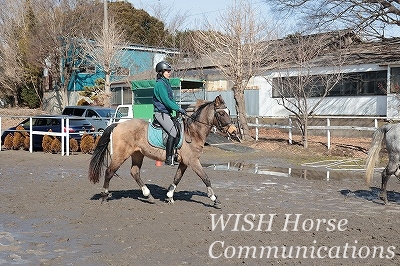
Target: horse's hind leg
137 161
109 173
391 168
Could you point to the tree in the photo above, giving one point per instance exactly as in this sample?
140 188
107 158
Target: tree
138 25
310 68
106 51
21 75
37 34
236 44
371 17
47 34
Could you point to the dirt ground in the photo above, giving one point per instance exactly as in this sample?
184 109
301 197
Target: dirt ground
52 215
279 207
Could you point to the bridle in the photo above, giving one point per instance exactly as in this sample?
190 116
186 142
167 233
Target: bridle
225 127
217 115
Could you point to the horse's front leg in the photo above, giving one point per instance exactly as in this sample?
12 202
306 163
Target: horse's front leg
178 176
198 169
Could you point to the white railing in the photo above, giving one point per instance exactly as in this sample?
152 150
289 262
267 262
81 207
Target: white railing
64 135
289 126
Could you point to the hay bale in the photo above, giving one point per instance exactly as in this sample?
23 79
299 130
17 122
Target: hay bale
55 146
87 143
27 142
73 145
8 141
46 142
18 140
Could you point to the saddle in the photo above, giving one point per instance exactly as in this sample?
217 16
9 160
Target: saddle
157 136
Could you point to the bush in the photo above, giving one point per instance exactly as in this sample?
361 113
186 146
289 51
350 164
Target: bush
30 98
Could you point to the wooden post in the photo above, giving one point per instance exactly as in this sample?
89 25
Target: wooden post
256 128
328 132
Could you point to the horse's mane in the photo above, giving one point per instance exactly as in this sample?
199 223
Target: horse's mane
196 115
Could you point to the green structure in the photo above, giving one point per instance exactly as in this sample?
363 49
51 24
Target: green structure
186 93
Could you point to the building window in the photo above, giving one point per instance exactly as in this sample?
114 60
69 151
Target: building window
121 95
395 80
121 71
352 84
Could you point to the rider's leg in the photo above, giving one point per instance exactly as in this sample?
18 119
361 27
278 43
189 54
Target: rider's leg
166 122
169 148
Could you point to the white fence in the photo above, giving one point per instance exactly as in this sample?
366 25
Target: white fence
289 126
64 135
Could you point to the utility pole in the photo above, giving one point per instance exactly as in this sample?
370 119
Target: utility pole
107 49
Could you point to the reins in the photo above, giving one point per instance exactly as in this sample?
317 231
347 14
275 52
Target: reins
216 110
192 118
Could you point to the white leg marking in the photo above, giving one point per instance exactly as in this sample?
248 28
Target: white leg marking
145 191
171 190
210 194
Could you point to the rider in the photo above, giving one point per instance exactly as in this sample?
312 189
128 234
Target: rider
164 104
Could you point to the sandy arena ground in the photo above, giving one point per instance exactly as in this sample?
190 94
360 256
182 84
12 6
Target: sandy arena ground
52 215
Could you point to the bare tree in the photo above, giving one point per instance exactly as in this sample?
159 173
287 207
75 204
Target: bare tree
371 17
310 68
174 20
10 60
105 50
49 39
236 43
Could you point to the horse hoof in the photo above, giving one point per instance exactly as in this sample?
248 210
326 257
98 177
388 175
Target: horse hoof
150 199
217 204
105 196
170 201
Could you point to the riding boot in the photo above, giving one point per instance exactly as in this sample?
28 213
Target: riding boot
169 148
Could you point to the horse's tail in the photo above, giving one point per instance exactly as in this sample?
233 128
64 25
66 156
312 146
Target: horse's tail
99 154
373 153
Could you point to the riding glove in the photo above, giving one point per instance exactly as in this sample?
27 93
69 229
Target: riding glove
182 111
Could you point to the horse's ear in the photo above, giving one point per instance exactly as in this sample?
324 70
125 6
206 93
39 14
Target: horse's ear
218 100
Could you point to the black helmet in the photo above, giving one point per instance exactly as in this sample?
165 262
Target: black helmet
163 66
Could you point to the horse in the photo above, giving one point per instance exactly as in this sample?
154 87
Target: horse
391 134
129 139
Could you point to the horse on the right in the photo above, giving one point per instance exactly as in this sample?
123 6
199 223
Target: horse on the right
391 134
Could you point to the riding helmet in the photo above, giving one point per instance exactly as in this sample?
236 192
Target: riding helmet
163 66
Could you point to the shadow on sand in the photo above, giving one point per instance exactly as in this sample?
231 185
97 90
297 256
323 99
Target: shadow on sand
157 192
372 195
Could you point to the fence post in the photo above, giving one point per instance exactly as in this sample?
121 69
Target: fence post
67 138
256 128
31 135
376 123
290 131
328 132
63 135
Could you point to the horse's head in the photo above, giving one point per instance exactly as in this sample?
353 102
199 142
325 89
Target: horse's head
222 118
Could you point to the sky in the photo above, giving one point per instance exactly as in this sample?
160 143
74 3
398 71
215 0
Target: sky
195 10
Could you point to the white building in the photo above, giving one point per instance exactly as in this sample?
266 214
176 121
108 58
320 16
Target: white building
369 87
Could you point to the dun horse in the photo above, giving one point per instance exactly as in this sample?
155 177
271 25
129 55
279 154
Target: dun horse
391 134
129 139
